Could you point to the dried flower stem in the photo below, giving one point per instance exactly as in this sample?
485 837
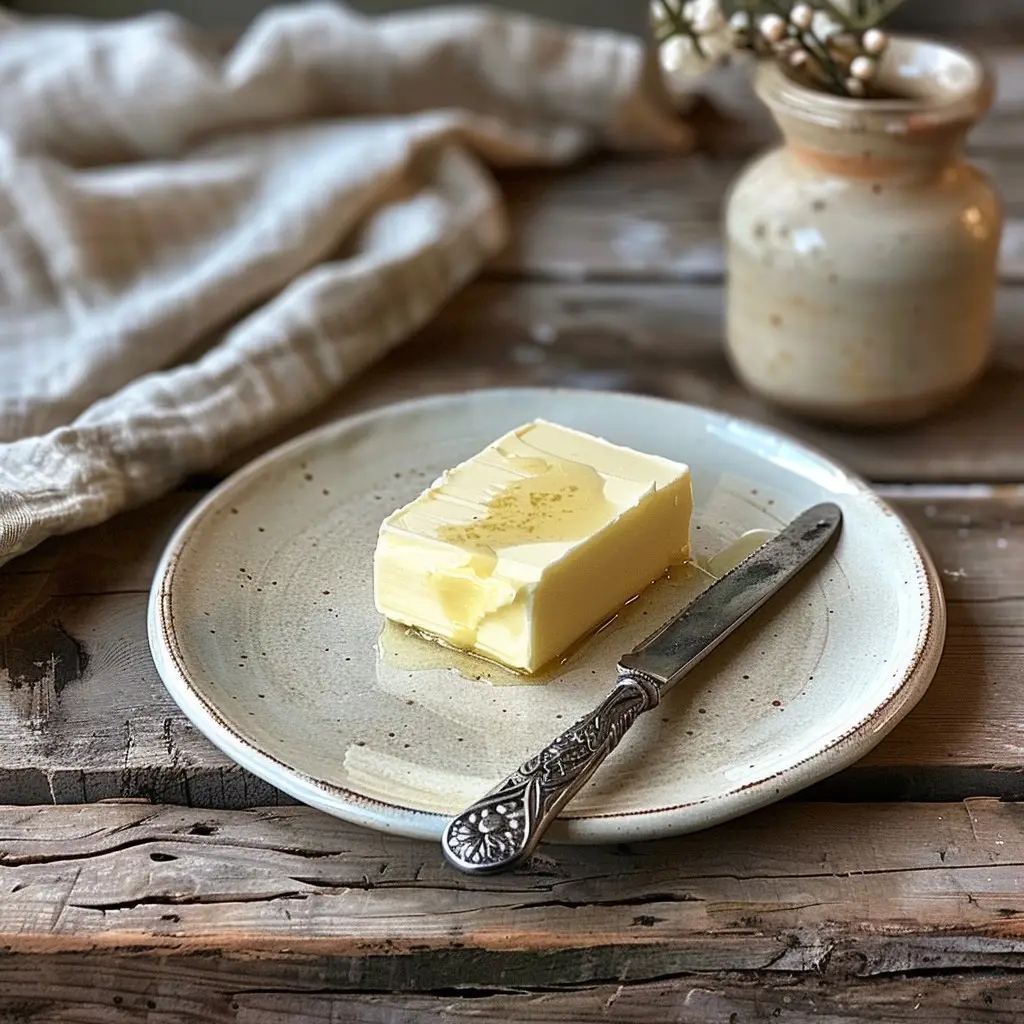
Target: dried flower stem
679 25
867 13
810 41
884 9
836 12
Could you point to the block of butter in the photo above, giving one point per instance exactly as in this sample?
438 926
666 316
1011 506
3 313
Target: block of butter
518 552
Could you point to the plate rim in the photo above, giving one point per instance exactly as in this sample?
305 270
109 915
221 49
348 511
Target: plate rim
648 823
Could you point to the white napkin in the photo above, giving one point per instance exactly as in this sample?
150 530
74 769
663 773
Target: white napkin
199 243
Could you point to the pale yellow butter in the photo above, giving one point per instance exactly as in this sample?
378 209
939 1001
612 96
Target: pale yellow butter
520 551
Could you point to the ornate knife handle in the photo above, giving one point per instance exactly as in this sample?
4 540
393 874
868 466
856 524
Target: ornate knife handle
503 828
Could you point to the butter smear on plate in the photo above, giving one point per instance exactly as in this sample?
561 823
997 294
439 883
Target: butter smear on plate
522 550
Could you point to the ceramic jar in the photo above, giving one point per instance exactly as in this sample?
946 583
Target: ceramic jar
862 252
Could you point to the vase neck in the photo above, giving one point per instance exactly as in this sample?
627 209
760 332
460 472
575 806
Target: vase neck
937 93
872 156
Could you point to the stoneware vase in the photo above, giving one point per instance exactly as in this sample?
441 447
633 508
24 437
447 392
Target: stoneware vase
862 251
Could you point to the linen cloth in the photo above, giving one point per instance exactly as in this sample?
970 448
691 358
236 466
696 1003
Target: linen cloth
200 242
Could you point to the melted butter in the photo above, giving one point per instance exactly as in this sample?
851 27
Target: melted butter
551 500
408 650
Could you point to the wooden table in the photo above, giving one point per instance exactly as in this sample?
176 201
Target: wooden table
144 875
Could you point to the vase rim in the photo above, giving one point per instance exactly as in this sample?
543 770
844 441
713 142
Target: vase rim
935 84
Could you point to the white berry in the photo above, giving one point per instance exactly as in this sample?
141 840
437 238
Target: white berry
740 21
798 58
802 15
874 41
862 68
773 28
855 87
706 16
676 52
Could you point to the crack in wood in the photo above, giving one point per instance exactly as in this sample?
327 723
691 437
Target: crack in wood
627 901
970 819
25 860
193 838
129 742
789 908
64 901
186 901
468 992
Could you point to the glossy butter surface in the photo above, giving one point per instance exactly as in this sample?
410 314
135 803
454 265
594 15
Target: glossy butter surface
518 552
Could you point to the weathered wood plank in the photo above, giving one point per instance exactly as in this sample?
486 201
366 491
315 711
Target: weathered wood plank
190 991
83 715
834 893
667 341
661 219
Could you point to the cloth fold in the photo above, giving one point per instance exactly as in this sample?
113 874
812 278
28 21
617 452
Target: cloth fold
199 242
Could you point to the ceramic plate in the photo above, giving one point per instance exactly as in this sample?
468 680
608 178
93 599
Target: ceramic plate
263 628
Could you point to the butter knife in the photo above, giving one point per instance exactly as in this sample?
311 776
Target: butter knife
503 828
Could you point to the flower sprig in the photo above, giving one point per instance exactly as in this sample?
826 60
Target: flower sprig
834 45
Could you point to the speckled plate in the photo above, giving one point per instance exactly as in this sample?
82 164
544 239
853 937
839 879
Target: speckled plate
263 628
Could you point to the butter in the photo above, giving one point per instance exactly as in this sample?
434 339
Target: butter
523 549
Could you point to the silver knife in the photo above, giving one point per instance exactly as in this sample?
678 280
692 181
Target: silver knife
503 828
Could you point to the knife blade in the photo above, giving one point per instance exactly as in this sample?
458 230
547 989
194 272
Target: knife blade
504 827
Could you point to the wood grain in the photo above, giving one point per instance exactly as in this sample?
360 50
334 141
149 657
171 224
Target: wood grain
816 901
614 279
193 991
83 715
661 219
667 341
